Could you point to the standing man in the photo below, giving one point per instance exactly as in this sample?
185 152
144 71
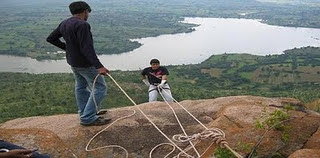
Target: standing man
84 62
156 78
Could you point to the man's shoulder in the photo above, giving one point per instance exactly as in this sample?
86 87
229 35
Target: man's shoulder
163 68
147 68
75 21
82 23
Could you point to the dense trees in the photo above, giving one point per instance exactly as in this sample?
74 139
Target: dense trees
25 26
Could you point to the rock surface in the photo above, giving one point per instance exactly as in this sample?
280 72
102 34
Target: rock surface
307 153
314 141
62 136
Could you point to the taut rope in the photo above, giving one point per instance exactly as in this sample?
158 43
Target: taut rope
217 135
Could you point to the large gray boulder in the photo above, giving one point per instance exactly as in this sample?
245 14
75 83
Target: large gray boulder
62 136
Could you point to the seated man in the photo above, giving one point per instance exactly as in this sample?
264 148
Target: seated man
156 78
8 150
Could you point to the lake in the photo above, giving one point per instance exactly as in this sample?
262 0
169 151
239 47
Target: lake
213 36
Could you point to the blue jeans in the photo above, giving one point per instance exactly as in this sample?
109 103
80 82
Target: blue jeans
84 78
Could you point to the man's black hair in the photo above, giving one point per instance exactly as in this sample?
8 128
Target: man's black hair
79 7
154 61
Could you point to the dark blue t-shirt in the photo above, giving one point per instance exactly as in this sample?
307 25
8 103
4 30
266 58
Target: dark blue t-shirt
155 76
79 44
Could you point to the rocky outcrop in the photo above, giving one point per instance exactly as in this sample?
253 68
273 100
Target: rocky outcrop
62 136
314 141
308 153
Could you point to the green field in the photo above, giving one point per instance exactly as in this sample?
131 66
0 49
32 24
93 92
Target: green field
313 3
25 25
24 95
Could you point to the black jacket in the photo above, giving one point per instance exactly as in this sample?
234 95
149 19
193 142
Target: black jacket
79 44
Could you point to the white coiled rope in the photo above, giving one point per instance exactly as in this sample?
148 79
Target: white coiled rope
215 134
111 146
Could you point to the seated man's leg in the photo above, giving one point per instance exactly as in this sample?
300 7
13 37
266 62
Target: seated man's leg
10 146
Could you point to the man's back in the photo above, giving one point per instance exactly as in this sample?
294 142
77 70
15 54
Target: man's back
79 44
74 31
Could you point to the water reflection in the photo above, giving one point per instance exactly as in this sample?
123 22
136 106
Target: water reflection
213 36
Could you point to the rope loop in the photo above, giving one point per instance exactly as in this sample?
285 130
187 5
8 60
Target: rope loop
215 134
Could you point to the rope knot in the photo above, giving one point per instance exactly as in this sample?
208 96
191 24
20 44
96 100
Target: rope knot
215 134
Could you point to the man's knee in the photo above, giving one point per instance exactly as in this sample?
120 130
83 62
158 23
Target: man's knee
101 88
104 90
152 99
153 96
